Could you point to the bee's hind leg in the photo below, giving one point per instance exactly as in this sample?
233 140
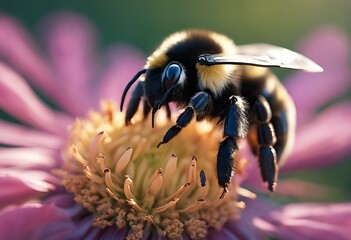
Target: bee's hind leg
197 105
266 138
235 126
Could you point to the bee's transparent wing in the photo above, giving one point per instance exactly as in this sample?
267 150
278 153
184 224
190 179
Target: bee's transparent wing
265 55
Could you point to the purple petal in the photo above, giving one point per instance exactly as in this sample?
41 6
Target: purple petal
325 140
123 63
243 227
19 101
71 44
66 201
322 46
113 233
221 234
15 191
36 222
17 135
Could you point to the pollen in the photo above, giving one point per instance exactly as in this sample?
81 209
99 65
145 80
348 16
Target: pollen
118 175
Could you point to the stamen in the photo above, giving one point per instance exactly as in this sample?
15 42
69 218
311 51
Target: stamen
101 161
180 191
77 156
170 168
202 192
93 177
199 204
120 201
246 193
240 205
168 205
123 160
127 184
95 143
108 180
139 149
108 110
192 172
134 205
157 182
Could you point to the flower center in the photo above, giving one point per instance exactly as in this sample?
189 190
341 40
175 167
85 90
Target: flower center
117 173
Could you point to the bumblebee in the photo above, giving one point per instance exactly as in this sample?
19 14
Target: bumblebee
209 77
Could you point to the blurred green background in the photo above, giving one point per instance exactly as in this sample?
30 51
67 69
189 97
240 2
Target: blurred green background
145 23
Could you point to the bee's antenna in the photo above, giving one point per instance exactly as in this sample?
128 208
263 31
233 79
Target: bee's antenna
165 96
133 80
159 104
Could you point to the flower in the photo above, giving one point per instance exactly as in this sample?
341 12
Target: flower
128 187
105 180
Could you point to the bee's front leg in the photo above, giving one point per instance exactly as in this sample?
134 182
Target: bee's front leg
235 126
197 105
133 104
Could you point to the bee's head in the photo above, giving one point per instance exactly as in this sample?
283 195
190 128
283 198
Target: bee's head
161 84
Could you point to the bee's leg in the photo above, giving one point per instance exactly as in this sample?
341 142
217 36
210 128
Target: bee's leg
266 139
168 112
133 104
198 103
146 109
235 126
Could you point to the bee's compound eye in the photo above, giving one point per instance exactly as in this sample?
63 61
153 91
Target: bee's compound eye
171 75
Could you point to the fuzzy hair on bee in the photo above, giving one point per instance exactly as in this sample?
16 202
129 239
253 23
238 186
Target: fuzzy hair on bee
209 77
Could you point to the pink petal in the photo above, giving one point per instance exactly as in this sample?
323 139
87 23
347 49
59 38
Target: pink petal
308 221
36 222
28 158
271 229
311 90
338 214
35 179
18 135
325 140
18 49
302 189
19 101
15 191
123 63
71 48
